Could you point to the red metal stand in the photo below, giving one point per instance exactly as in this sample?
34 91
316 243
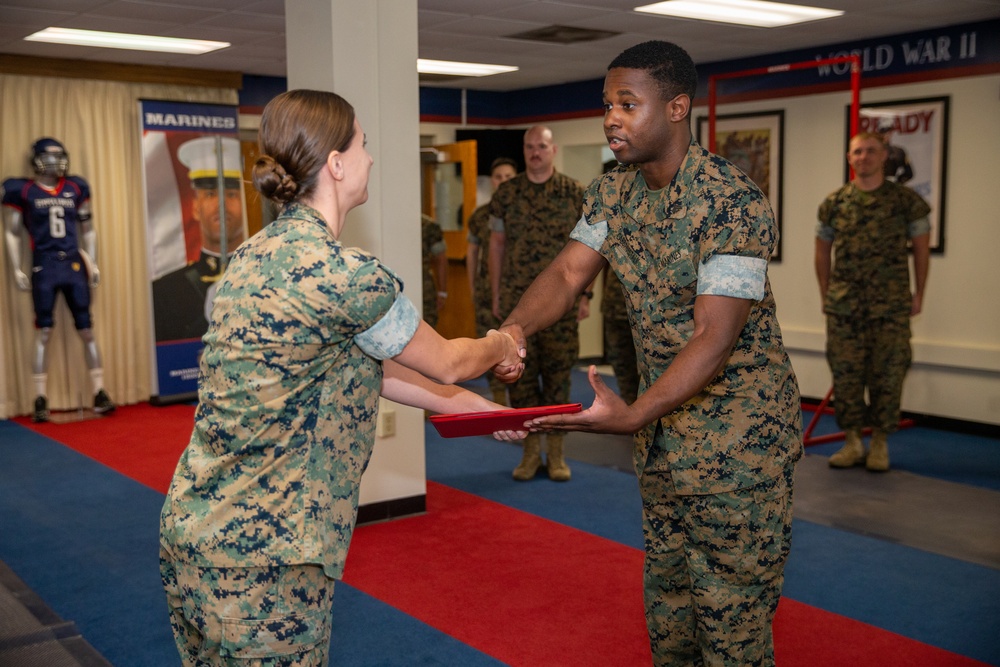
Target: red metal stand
823 408
855 61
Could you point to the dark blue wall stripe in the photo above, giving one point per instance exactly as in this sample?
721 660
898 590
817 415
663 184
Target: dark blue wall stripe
960 50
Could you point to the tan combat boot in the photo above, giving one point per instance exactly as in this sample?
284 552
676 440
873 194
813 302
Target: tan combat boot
878 455
558 470
852 453
532 459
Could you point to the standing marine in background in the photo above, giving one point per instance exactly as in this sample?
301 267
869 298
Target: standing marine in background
435 264
54 210
531 217
867 224
477 265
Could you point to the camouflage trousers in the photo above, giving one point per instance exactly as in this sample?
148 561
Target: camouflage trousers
552 353
248 617
619 351
486 320
714 569
872 354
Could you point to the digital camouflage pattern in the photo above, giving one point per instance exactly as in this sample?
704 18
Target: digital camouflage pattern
277 616
715 474
482 293
872 354
870 232
868 299
288 394
479 234
548 366
745 426
619 348
736 547
432 245
536 220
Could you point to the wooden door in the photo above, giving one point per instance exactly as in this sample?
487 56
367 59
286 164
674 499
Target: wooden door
252 201
449 196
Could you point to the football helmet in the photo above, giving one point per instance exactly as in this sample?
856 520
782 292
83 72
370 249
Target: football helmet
49 157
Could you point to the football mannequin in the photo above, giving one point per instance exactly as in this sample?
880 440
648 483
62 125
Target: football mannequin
53 209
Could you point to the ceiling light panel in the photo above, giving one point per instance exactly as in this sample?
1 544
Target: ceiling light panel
460 69
743 12
121 40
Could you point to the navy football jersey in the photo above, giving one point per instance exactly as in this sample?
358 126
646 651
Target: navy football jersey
51 217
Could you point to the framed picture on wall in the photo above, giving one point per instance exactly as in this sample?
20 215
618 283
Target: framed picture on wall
916 132
754 142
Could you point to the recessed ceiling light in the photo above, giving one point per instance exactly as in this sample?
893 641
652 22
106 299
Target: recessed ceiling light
744 12
460 69
121 40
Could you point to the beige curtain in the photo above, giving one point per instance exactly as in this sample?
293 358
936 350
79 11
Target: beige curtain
98 122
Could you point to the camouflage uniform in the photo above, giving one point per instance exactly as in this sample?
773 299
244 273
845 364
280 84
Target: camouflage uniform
432 245
536 220
267 490
482 303
619 348
868 299
715 474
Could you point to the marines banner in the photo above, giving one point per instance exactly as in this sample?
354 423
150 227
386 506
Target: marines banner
193 177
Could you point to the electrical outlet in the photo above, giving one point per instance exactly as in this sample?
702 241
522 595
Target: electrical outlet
385 426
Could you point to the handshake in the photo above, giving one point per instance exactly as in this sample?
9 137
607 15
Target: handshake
515 348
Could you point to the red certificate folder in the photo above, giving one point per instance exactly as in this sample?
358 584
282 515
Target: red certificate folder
484 423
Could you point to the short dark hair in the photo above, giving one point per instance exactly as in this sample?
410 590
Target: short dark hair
500 161
668 63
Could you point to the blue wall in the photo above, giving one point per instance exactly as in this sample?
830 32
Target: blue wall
961 50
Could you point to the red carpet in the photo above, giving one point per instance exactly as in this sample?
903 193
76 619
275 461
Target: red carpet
810 637
515 586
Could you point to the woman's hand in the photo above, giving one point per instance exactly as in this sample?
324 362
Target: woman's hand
512 365
510 436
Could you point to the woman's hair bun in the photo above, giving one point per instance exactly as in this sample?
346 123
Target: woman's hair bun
272 181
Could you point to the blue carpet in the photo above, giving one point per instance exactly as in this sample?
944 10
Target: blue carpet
600 501
953 457
370 633
936 600
85 539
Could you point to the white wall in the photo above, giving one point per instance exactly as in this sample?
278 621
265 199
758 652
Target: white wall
368 58
956 340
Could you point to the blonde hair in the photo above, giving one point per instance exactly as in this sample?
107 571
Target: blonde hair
869 135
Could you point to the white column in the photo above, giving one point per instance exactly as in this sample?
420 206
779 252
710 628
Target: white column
366 51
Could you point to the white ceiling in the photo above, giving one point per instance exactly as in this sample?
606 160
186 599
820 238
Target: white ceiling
466 30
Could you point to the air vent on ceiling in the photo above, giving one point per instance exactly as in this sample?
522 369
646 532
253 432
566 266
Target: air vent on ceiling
562 34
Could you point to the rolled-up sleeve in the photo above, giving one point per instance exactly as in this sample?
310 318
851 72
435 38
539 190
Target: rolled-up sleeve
387 337
589 234
733 275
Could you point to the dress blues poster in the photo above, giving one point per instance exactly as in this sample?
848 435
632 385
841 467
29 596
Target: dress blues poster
193 176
